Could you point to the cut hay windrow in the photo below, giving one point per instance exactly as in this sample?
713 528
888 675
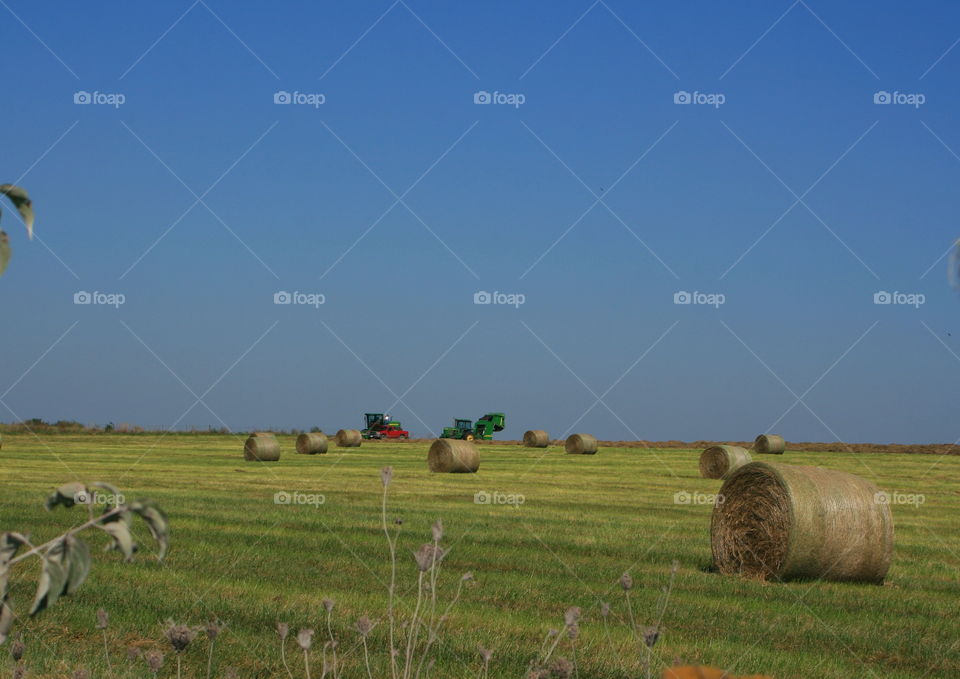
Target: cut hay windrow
536 438
787 522
716 462
261 446
348 438
770 444
453 457
314 443
581 444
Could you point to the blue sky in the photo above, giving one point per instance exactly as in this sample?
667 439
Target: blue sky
397 198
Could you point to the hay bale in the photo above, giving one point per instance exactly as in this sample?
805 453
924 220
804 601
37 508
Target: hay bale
312 444
788 522
453 457
717 462
536 438
770 444
581 444
261 446
348 438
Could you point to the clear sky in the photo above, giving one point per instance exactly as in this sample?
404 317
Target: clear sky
781 190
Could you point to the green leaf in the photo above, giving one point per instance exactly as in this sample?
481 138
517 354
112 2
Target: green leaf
78 562
157 522
5 251
53 577
68 495
122 539
22 202
9 544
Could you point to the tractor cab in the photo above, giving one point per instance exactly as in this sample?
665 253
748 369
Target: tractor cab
461 429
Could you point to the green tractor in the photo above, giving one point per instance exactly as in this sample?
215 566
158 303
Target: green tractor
465 431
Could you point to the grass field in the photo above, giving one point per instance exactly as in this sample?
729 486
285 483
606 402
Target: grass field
239 556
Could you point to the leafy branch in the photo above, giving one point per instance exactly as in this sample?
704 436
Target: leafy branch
66 558
24 206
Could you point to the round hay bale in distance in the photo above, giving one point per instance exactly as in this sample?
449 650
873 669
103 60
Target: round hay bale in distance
770 444
315 443
717 462
536 438
348 438
581 444
261 446
787 522
453 457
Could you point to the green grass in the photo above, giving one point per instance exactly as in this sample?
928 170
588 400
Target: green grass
586 519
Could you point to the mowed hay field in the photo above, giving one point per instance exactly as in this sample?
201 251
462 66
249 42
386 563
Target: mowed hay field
585 520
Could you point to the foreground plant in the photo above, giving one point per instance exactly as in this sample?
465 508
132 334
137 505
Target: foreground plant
24 206
66 558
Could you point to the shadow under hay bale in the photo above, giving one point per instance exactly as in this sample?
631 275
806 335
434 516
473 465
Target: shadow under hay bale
581 444
312 444
453 457
261 446
717 462
348 438
788 522
770 444
536 438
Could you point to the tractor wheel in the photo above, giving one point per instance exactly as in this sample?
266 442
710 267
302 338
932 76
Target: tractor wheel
468 437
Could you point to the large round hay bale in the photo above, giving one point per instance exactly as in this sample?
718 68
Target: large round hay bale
453 457
770 444
785 522
716 462
581 444
314 443
536 438
261 446
348 438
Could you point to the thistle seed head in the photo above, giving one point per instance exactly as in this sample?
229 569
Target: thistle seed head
437 530
305 638
17 648
103 620
283 630
179 636
485 654
386 474
604 609
572 616
626 581
428 556
650 636
154 660
328 605
364 626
